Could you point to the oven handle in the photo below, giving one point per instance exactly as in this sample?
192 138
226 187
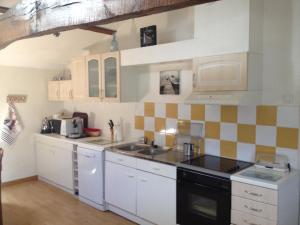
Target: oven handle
206 187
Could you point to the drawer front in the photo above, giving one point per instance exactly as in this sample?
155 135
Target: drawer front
240 218
157 168
254 208
255 193
120 159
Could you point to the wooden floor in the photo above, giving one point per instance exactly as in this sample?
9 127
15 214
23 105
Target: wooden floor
37 203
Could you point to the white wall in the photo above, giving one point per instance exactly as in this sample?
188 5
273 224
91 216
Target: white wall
19 159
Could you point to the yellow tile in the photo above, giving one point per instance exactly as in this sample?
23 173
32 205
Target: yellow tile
160 124
266 115
139 122
246 133
229 114
198 112
149 109
150 136
170 140
265 149
212 130
287 137
228 149
172 110
184 127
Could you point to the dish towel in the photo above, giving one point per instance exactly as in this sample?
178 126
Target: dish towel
11 126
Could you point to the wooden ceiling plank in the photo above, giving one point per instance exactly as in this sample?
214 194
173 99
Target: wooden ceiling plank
96 29
3 9
32 18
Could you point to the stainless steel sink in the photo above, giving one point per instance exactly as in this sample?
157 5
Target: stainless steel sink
153 151
132 148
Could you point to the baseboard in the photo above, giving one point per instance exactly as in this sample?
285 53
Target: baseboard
19 181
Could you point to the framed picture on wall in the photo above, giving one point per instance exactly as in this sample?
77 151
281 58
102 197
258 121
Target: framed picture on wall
148 36
170 82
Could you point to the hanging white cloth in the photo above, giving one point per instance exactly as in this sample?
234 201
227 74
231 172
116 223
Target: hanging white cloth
11 127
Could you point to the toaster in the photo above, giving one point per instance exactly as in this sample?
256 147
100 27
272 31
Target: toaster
66 127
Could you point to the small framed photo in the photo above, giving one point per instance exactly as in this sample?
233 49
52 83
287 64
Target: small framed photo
170 82
148 36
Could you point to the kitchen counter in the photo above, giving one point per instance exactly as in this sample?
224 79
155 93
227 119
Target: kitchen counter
83 142
261 182
171 157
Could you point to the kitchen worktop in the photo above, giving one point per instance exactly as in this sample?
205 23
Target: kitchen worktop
283 178
83 142
171 157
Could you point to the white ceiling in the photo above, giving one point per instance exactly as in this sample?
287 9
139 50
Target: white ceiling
48 51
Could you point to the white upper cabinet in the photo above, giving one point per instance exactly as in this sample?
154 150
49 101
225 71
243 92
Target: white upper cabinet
221 73
53 91
65 90
93 76
79 83
111 77
60 90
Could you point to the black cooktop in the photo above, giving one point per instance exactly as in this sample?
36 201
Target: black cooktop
218 164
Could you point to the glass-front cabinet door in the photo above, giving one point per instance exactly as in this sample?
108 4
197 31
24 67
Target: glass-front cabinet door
93 66
111 77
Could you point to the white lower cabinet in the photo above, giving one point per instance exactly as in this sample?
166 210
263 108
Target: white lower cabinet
138 187
156 198
54 162
120 186
90 175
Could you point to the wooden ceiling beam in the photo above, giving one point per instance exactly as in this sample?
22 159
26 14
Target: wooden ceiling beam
96 29
3 9
32 18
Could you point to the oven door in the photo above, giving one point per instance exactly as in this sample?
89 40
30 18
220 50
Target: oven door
202 205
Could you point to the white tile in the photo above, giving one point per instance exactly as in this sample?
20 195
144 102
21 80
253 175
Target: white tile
213 113
247 114
246 152
229 131
181 140
160 139
171 126
139 109
160 110
292 155
184 112
288 116
212 147
266 135
197 129
149 123
138 133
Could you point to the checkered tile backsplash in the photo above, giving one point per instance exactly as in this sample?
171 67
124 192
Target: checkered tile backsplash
231 131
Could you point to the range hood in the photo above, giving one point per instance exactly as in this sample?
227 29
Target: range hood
225 98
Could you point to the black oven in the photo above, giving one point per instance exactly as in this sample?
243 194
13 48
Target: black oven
202 199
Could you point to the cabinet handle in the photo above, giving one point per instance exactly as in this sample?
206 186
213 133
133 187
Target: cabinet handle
143 180
194 81
156 169
120 160
253 209
101 94
57 93
250 223
253 194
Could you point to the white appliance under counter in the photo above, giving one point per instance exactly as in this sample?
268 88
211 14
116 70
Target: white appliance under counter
265 197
